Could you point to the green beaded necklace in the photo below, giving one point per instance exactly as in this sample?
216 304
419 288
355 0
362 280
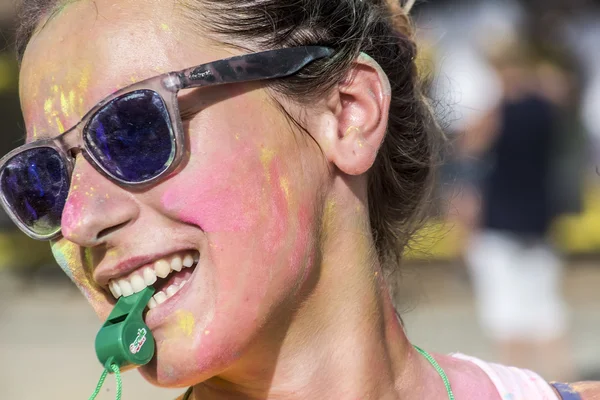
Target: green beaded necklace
439 370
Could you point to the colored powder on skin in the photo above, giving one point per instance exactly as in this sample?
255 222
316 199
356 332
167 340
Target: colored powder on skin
88 256
49 109
64 105
226 201
184 325
165 27
59 125
73 211
186 322
84 80
278 210
112 253
328 215
285 186
66 256
266 156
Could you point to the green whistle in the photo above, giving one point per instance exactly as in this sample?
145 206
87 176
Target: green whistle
124 339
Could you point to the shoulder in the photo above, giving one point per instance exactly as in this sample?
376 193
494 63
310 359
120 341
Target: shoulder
583 391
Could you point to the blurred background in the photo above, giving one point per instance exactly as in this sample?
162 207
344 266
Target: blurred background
497 70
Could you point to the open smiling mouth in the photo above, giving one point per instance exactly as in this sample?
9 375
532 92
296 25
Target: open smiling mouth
167 276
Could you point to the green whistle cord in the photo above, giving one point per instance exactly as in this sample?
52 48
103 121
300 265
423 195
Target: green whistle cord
113 368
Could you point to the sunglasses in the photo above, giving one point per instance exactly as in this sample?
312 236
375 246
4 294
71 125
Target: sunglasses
134 137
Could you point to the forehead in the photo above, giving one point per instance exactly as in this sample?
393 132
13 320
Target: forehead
91 49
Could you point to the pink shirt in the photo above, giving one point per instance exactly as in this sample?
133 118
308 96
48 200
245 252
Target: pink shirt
513 383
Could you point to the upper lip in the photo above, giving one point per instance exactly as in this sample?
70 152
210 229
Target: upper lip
105 273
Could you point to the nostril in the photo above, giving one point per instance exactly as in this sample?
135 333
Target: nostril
108 231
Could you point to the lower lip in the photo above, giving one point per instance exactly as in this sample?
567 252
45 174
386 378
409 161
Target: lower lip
155 317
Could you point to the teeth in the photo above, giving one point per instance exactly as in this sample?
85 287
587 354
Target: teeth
115 289
176 264
126 288
160 297
163 296
171 290
149 276
137 283
152 303
188 261
162 268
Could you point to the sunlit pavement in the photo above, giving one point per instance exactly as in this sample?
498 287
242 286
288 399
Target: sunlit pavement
47 330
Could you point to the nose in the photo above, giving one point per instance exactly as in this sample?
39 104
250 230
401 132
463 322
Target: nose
97 210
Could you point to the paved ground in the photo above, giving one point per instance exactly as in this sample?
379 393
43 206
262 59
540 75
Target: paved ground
47 331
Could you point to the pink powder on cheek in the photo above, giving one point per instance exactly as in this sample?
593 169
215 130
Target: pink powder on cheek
223 196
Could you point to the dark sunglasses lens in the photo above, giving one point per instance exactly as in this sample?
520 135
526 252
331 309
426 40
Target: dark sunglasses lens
132 136
35 184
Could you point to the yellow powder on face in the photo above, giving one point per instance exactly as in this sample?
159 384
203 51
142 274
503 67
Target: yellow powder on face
49 107
72 102
59 125
285 186
84 80
185 324
329 213
65 104
112 253
88 257
266 157
165 27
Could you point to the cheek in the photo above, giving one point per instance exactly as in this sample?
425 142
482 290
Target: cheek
234 193
71 260
66 256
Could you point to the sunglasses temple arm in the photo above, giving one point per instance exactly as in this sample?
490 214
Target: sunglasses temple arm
253 67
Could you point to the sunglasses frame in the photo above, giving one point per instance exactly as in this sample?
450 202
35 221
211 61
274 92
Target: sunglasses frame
260 66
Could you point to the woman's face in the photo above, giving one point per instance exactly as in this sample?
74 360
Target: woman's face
244 202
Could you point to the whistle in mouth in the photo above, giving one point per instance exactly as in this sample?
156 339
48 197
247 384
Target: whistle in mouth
124 339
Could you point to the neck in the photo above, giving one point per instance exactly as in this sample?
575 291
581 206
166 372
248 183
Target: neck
343 342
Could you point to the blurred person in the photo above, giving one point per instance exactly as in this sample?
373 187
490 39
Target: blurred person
286 180
515 269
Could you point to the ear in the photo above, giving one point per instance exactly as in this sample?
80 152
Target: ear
352 133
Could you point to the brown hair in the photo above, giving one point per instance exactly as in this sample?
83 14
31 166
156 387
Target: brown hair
402 176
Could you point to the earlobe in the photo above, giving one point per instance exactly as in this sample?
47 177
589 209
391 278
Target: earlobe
361 114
